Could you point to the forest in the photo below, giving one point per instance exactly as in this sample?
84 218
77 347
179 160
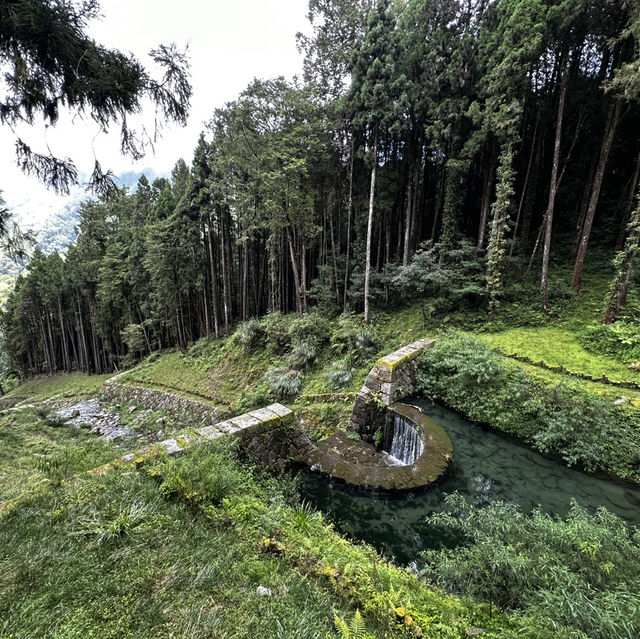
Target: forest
430 145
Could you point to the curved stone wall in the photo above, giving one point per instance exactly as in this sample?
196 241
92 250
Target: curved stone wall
425 470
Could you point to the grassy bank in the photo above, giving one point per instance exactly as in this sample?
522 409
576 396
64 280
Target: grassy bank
142 554
37 449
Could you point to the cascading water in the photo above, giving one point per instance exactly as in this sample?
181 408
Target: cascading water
406 443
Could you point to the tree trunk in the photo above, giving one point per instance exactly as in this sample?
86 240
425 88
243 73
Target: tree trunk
486 198
525 186
334 256
225 269
367 266
407 219
214 280
303 287
624 262
349 212
294 268
499 224
245 281
607 141
553 189
628 203
65 347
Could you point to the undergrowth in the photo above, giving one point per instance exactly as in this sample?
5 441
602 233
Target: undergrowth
581 428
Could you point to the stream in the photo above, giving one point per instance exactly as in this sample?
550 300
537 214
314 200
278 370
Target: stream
486 466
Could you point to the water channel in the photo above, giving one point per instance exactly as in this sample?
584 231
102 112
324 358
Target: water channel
486 466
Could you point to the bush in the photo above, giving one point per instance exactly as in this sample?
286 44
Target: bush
205 474
620 340
339 375
311 328
303 354
582 572
284 382
455 276
251 334
581 428
353 337
276 329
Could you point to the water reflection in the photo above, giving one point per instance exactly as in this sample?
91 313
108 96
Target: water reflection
486 467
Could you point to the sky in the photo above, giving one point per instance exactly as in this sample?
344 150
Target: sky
230 43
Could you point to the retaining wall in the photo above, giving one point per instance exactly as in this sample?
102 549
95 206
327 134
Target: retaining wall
391 379
159 400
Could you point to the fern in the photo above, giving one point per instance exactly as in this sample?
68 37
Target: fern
355 629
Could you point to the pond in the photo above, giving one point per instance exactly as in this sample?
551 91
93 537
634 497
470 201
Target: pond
486 466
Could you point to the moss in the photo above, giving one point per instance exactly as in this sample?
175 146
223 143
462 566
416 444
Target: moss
67 385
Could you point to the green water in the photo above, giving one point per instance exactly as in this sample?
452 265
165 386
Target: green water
486 467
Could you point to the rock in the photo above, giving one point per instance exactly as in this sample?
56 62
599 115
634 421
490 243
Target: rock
132 409
634 366
75 413
160 420
620 400
159 434
264 592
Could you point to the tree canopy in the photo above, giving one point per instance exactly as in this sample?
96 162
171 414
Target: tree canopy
435 148
49 63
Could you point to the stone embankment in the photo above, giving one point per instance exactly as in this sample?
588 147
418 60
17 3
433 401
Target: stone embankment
269 435
114 390
391 379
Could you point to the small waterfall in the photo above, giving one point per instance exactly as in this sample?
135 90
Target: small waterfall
406 443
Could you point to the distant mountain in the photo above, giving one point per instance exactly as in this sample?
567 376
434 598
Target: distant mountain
54 219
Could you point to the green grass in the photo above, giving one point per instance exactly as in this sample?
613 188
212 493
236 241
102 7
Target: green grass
35 450
213 371
606 391
557 346
66 385
118 555
109 557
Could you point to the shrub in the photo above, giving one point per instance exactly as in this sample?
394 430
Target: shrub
284 382
276 329
339 375
133 336
352 337
620 340
205 474
454 276
120 526
251 334
311 328
581 428
582 571
303 354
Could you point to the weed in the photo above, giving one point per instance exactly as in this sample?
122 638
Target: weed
339 375
284 382
121 526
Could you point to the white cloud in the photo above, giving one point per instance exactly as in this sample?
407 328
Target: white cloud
230 43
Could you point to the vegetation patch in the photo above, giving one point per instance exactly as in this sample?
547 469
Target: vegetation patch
35 449
558 347
583 571
581 428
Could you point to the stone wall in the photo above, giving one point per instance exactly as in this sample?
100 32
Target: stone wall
429 466
159 400
391 379
269 435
